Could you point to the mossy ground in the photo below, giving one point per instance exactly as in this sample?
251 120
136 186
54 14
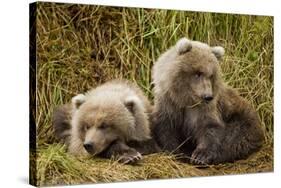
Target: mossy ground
81 46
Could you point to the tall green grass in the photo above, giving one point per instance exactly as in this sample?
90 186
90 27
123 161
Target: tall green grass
82 46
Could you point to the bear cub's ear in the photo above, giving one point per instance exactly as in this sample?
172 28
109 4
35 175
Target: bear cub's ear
218 51
78 100
131 103
183 45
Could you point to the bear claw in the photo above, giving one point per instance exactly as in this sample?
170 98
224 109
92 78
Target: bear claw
201 157
130 158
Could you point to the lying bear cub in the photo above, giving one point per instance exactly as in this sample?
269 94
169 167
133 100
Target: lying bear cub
112 120
195 112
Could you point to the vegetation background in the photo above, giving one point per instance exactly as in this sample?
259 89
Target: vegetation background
82 46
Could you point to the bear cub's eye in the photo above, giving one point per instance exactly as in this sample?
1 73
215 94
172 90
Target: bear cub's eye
198 74
103 126
87 127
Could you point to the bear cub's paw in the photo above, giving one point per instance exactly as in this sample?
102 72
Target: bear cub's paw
130 157
202 156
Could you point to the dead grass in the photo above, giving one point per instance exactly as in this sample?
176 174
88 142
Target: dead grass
80 46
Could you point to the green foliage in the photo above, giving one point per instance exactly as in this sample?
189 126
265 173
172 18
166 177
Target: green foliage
81 46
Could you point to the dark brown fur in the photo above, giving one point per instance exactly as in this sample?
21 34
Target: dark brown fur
222 129
61 123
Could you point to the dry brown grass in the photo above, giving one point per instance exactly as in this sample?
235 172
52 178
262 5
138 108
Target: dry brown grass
81 46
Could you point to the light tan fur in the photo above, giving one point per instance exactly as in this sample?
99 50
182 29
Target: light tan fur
119 107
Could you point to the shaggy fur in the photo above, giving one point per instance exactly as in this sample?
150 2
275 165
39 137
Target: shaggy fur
195 112
111 120
61 123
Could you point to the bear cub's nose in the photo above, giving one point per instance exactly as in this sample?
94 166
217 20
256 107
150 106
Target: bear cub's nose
89 147
208 98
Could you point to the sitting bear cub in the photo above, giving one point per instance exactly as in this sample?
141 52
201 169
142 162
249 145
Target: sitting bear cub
111 120
195 113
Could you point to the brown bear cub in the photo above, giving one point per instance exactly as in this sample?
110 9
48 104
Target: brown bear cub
195 113
112 120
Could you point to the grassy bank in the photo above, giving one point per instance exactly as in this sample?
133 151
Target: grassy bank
80 47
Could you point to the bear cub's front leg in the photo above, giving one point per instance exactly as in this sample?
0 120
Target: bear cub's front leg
208 148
